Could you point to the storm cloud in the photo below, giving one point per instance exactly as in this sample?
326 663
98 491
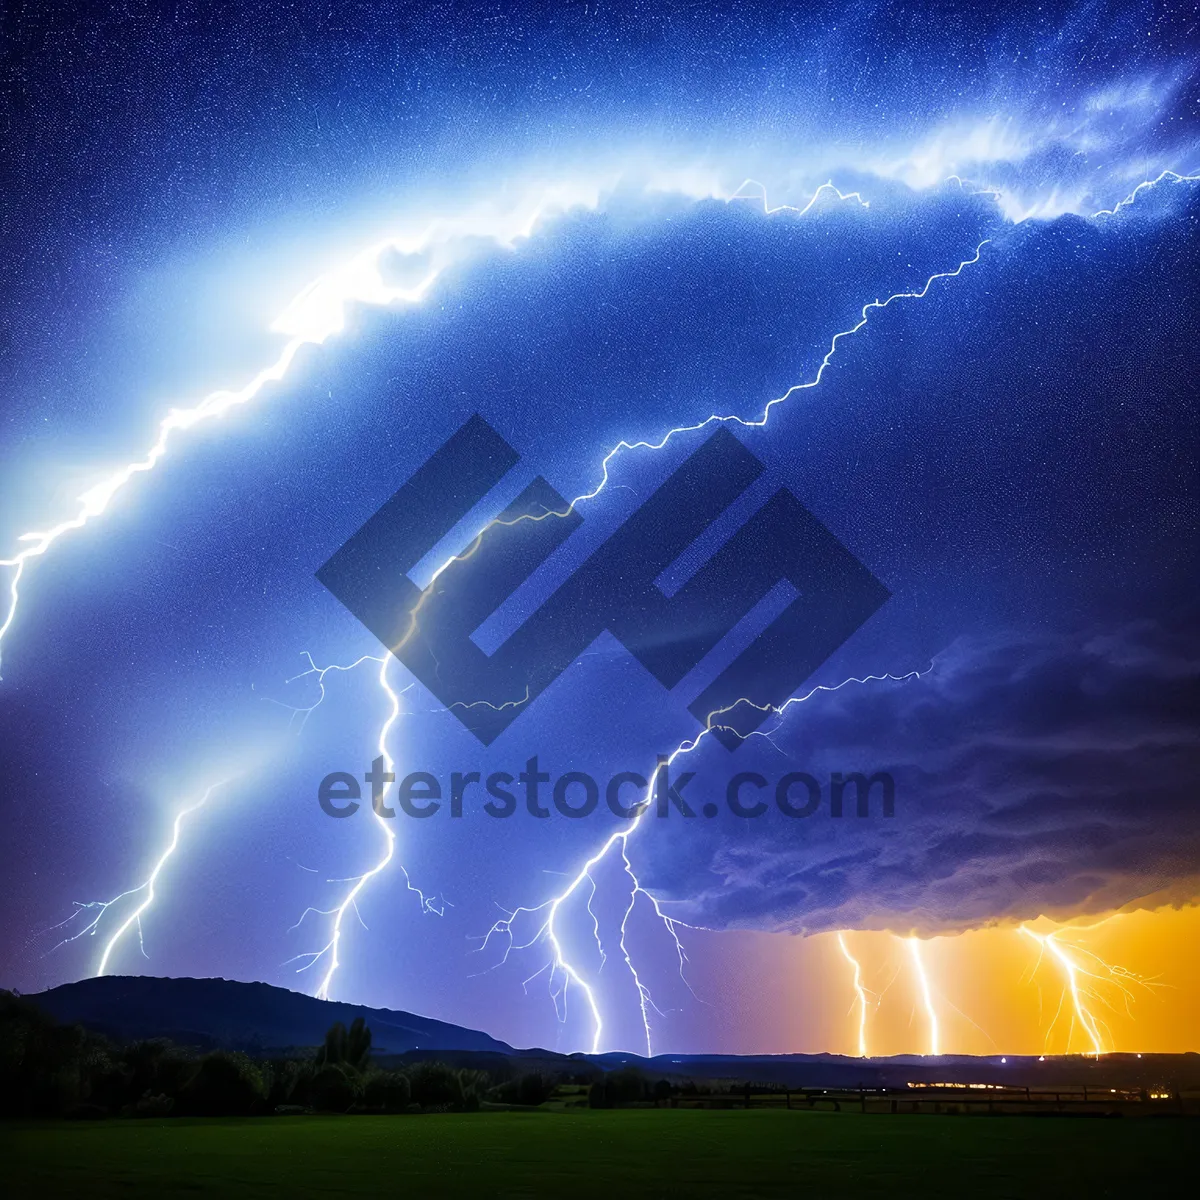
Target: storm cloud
1034 775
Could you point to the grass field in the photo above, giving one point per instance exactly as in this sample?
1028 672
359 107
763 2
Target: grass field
617 1154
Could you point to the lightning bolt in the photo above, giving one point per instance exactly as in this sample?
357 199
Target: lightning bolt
563 973
860 992
303 713
1082 1014
562 969
758 422
1145 185
330 952
146 889
1080 985
914 949
319 312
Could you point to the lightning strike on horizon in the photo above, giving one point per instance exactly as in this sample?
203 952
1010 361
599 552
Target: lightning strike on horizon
914 949
561 967
147 887
860 992
1083 994
350 902
368 288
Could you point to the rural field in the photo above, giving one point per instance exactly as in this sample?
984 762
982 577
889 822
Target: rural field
621 1153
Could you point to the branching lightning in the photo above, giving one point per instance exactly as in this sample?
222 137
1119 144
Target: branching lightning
563 971
1080 986
145 889
330 952
319 312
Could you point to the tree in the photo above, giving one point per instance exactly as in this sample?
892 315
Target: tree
530 1089
358 1045
534 1088
351 1049
475 1085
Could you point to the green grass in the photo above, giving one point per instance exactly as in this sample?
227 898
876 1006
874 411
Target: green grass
619 1154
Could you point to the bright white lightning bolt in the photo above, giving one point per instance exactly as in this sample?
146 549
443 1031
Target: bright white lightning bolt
319 312
860 992
561 966
914 949
770 209
99 907
147 887
1145 185
359 882
330 950
1082 1014
560 963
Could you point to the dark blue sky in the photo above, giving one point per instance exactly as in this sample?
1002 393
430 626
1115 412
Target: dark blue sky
1012 455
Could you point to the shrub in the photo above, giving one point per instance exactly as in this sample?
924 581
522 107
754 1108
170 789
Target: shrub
334 1088
531 1089
224 1084
388 1090
435 1084
150 1106
85 1112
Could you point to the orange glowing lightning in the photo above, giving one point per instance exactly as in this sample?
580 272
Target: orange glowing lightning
861 992
914 947
1083 994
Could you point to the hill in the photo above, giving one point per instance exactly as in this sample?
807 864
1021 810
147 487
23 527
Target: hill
255 1017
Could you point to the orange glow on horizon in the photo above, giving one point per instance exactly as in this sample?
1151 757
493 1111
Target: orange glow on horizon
993 991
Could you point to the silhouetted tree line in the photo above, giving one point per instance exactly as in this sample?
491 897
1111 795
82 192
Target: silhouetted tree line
629 1086
48 1070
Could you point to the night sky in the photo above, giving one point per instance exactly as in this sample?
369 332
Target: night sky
1013 454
